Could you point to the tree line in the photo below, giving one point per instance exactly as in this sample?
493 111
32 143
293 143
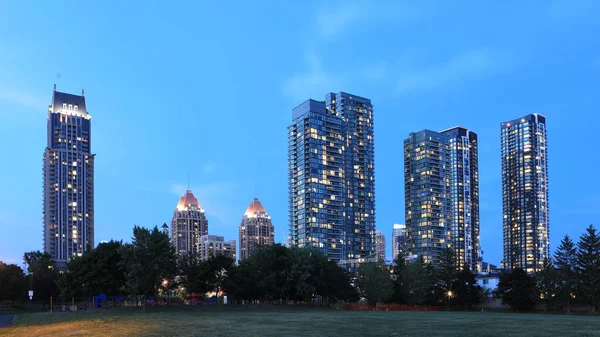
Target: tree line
149 266
571 276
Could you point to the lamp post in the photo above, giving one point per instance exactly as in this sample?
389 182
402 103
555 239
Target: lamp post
449 296
166 284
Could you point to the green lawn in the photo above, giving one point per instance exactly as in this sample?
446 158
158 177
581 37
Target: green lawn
293 321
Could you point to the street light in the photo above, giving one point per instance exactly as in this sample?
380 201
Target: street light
165 284
449 296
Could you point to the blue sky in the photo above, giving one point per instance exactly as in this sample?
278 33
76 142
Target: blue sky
208 90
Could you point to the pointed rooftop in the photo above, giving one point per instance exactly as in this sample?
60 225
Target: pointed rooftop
255 207
188 200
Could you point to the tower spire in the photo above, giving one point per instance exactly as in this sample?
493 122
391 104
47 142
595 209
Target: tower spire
188 181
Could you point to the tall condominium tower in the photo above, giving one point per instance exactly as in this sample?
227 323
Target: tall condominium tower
464 197
256 229
332 177
399 241
525 193
380 245
442 195
68 179
188 224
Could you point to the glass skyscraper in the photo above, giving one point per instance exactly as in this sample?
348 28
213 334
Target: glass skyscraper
68 179
442 195
399 241
525 220
332 177
464 197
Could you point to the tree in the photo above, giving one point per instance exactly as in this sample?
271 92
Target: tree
517 289
565 261
13 285
416 284
588 264
96 271
398 276
42 275
466 291
445 275
192 272
547 283
374 282
216 271
149 259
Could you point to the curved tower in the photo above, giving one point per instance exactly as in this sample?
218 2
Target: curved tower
188 225
256 229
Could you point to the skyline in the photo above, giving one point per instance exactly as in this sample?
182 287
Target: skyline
545 62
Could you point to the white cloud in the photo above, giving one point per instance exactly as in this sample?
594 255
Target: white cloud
331 21
467 66
24 99
313 83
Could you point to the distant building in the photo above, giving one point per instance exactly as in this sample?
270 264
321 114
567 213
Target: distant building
332 177
380 245
188 224
68 196
399 241
256 229
525 222
165 229
442 195
213 245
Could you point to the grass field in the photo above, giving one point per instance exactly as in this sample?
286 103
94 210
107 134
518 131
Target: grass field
291 321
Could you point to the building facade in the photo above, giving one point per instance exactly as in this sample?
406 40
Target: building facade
68 196
332 177
399 241
442 195
189 223
380 245
525 223
256 229
214 245
463 158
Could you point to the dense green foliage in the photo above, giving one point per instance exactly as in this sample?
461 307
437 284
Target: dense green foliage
149 267
276 273
13 284
374 282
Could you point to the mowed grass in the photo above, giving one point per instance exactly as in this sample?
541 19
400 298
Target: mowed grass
296 321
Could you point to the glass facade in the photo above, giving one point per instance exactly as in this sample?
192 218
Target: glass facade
442 195
399 241
332 177
525 211
380 245
68 187
464 197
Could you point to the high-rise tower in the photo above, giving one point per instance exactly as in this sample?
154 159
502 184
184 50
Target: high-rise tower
188 224
525 220
464 196
68 195
442 195
332 177
380 246
399 241
256 229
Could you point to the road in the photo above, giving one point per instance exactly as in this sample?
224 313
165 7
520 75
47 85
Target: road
5 320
